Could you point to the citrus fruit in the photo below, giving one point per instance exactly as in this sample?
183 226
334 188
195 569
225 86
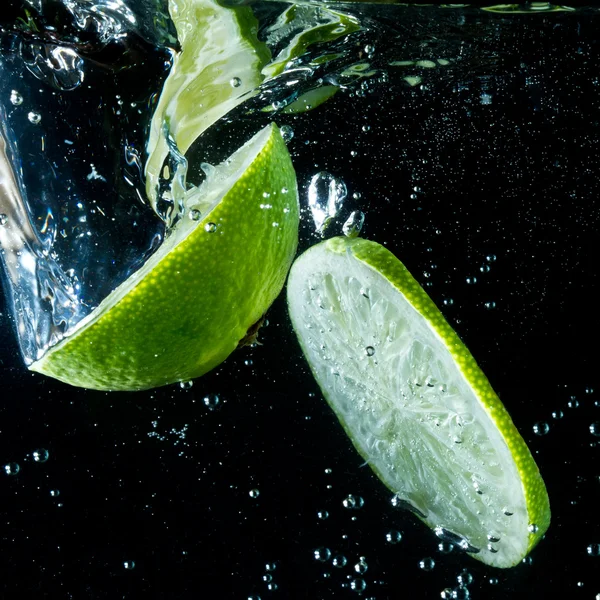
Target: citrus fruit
414 402
213 278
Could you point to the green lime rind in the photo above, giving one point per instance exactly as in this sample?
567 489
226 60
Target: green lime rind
190 311
384 264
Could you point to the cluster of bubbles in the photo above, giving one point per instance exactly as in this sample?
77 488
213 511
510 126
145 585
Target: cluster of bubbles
543 427
39 455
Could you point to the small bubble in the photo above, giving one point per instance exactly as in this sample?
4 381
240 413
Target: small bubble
267 578
34 117
358 585
490 305
460 593
446 594
210 227
595 429
491 258
361 566
287 133
369 351
471 280
366 128
255 493
393 537
54 493
573 402
493 581
211 401
353 502
11 468
533 528
186 385
339 561
541 428
3 219
270 566
235 82
593 549
328 471
272 587
426 564
129 564
322 554
16 98
464 578
485 268
580 584
558 414
448 302
369 49
323 514
195 214
40 455
254 598
589 390
445 547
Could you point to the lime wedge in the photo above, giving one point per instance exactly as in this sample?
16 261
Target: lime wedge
414 402
196 298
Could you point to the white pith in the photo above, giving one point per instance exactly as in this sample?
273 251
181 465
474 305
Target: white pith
408 408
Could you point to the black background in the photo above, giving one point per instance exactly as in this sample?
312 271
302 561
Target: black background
160 479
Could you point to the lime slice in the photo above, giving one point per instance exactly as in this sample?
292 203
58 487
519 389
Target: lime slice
193 301
414 402
219 63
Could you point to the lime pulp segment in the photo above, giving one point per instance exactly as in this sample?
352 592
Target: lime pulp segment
413 400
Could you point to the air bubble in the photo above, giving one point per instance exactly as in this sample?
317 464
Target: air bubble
445 547
323 514
493 581
129 564
358 585
34 117
287 133
15 98
485 268
195 214
255 493
533 528
3 219
211 401
464 578
595 429
11 468
353 502
471 280
369 351
235 82
351 228
541 428
460 593
40 455
210 227
186 385
593 549
490 305
339 561
448 302
361 566
426 564
54 493
322 554
558 414
393 537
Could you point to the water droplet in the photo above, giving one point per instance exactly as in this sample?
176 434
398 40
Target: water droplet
54 493
34 117
235 82
11 468
541 428
595 429
255 493
558 414
129 564
3 219
369 351
210 227
353 502
358 585
427 564
393 536
16 98
326 195
287 133
211 401
533 528
195 214
323 514
593 549
40 455
339 561
351 228
322 554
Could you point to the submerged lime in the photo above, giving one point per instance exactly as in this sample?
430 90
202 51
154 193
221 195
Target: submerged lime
194 300
414 401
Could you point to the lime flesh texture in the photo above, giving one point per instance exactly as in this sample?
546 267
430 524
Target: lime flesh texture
188 308
413 400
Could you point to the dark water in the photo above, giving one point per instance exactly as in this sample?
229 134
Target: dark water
485 169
